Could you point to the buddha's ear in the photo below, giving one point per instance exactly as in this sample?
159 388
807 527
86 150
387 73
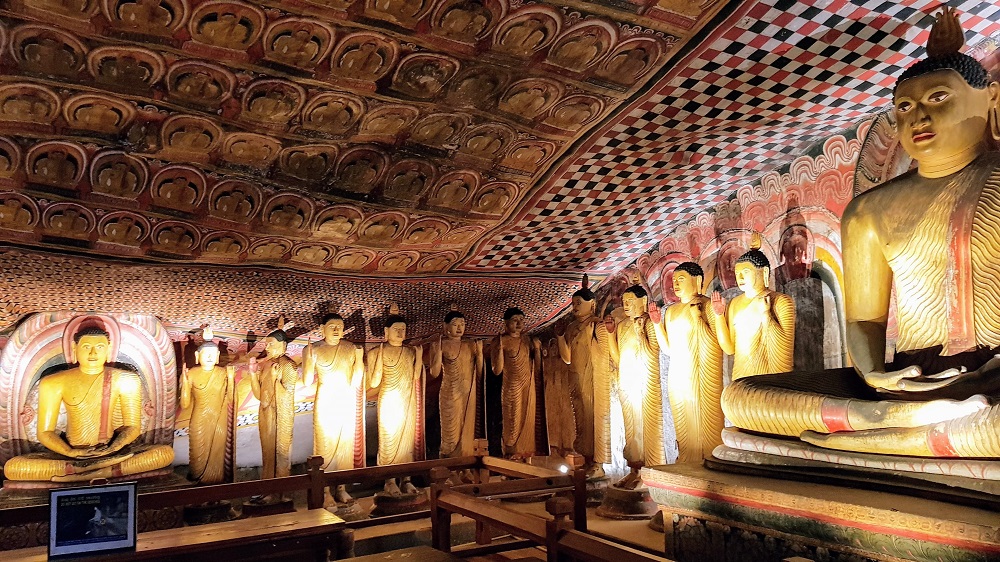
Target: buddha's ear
197 357
767 276
993 117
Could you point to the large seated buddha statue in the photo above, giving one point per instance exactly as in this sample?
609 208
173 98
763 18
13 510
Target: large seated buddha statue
104 408
931 233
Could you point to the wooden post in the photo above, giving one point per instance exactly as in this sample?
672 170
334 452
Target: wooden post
482 449
576 463
440 518
559 508
315 496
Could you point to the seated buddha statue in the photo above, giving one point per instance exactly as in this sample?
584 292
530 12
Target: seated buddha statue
103 408
929 233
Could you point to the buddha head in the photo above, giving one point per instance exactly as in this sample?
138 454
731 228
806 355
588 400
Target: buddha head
753 271
513 321
634 301
333 328
454 324
275 344
395 330
687 280
944 103
207 355
91 347
584 303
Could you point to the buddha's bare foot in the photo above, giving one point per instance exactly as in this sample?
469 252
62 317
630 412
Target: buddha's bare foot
341 495
595 471
84 476
630 482
390 487
408 487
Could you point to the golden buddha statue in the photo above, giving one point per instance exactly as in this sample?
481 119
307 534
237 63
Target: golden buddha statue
927 232
460 360
635 349
103 408
397 373
517 357
272 382
337 366
584 347
758 327
208 390
694 386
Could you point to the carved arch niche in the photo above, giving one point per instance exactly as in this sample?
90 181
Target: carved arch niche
404 13
334 114
580 47
382 230
361 169
528 156
310 162
478 87
352 259
364 56
17 212
486 142
463 235
224 246
298 42
454 190
339 222
47 51
56 164
287 212
494 198
631 60
123 228
312 254
198 84
175 238
189 139
131 69
423 75
387 122
28 106
425 232
572 113
269 249
226 27
466 21
151 18
68 220
272 103
408 179
436 263
118 174
440 129
10 161
250 150
75 14
527 31
398 262
234 201
526 99
98 113
178 187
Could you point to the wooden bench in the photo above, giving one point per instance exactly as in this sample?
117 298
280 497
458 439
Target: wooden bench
415 554
302 535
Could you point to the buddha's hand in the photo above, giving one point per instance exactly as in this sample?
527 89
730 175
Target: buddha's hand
718 303
907 379
654 312
87 452
609 323
760 305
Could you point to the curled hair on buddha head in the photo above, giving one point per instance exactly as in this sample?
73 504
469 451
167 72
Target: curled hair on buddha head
637 291
90 330
512 312
943 46
279 335
330 317
691 268
584 291
394 319
754 256
453 313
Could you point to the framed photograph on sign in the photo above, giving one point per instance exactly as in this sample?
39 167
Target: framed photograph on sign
92 520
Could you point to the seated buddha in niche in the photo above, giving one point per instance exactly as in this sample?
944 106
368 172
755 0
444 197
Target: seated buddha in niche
124 70
103 408
307 166
226 30
233 205
190 138
198 86
424 79
364 62
402 9
627 66
527 102
464 21
175 238
178 190
224 246
118 179
485 144
435 131
14 214
272 105
406 185
492 202
334 117
338 226
579 52
524 37
100 117
27 108
451 194
51 57
55 167
929 402
122 231
150 16
296 48
358 176
69 222
286 216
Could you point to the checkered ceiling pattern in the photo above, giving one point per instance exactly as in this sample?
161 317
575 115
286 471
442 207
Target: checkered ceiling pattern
774 78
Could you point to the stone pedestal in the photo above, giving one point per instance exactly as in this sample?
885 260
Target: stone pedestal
620 503
720 516
350 511
396 504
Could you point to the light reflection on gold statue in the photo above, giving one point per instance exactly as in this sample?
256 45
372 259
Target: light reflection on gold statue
103 418
635 349
758 327
517 357
460 361
933 224
337 366
694 384
208 390
273 383
396 371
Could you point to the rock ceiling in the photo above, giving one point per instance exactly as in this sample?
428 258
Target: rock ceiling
414 139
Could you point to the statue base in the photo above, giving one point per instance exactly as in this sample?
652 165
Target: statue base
596 490
269 507
391 504
656 522
712 515
620 503
350 511
142 477
212 512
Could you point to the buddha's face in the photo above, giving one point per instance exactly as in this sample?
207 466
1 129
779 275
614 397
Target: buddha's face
455 328
395 334
686 286
333 330
634 306
92 352
750 279
208 357
939 116
514 325
273 348
583 308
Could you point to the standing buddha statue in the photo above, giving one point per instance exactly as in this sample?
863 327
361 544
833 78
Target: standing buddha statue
517 358
273 381
460 361
208 391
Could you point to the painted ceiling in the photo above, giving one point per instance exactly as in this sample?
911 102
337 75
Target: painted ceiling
485 152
